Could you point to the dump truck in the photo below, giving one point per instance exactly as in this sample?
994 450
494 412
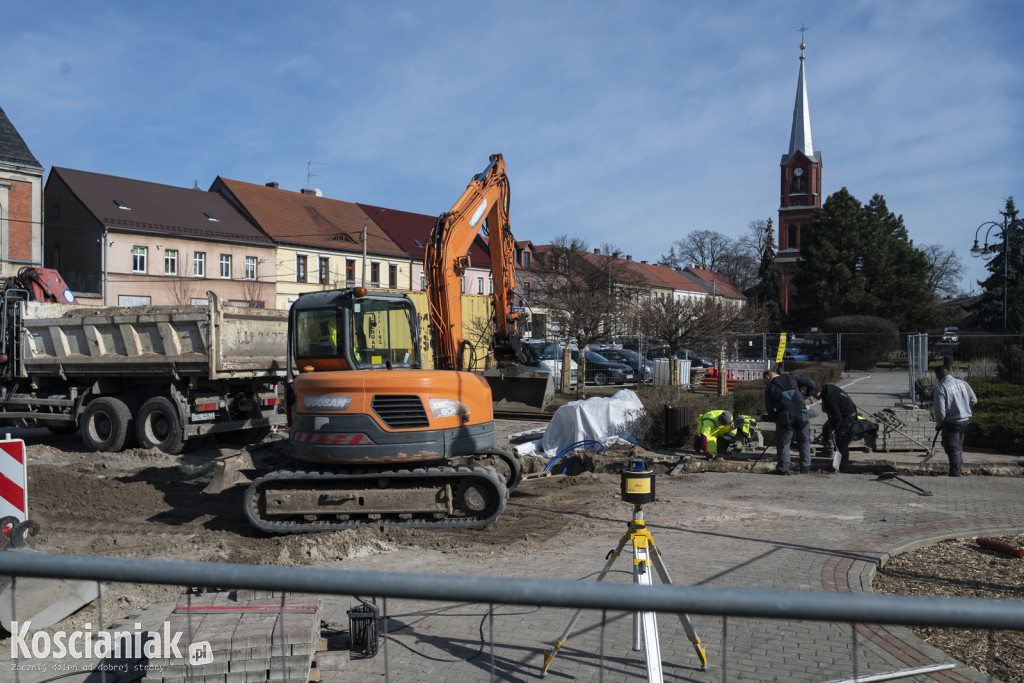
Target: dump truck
152 376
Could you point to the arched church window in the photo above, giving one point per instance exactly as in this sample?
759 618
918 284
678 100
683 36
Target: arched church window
791 235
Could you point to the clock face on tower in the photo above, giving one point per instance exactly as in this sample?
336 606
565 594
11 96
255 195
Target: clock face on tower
798 172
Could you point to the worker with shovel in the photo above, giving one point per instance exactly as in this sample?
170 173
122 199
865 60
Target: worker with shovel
842 416
952 403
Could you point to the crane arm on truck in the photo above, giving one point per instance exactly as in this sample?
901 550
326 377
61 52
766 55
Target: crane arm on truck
42 284
485 200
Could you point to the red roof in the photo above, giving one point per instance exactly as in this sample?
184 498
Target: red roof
714 282
306 220
412 230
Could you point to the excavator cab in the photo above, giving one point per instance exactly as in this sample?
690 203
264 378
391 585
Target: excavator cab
352 330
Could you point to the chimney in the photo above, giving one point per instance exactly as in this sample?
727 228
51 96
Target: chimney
273 184
644 262
597 251
628 257
315 192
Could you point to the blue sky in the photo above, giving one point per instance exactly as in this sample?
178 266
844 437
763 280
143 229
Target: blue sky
626 123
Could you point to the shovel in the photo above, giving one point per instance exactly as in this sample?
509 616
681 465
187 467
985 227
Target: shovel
931 453
892 475
753 464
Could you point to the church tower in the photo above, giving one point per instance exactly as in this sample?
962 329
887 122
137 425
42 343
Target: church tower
800 185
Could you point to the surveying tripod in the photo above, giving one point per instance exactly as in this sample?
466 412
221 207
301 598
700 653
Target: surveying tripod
645 553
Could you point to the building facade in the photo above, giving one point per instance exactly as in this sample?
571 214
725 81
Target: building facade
21 202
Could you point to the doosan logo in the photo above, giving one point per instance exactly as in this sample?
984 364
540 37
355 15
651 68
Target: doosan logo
98 645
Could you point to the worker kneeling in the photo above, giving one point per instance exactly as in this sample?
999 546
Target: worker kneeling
715 433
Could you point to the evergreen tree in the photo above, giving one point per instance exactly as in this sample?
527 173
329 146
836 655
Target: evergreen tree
768 296
990 306
859 261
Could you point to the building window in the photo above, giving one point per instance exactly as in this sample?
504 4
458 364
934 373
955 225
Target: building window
170 261
375 273
56 258
127 300
199 264
350 272
479 285
324 270
139 259
225 266
525 259
526 289
423 282
300 267
250 267
462 282
392 276
791 235
490 285
805 233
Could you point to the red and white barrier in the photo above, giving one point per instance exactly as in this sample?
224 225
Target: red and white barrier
13 479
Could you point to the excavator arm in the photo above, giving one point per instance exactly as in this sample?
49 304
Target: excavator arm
486 199
513 385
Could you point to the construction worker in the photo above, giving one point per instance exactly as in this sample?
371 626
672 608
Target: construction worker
785 405
952 403
715 432
842 415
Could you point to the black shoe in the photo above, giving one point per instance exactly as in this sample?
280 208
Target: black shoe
781 472
805 470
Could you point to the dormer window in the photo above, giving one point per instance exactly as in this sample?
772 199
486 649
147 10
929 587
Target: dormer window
211 217
121 205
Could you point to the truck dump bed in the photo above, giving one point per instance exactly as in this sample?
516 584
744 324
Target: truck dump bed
214 341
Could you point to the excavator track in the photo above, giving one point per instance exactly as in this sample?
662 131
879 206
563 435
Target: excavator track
297 501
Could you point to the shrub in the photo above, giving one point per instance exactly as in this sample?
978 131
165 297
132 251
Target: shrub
994 425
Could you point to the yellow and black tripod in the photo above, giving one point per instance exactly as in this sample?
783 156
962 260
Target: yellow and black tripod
638 488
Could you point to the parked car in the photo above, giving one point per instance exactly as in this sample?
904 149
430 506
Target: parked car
795 351
548 357
601 371
642 368
949 336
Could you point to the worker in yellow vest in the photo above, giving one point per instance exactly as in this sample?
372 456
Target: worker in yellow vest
715 432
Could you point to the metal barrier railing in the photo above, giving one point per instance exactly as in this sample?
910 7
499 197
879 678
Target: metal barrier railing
854 608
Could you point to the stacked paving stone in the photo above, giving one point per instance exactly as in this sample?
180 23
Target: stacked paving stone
244 632
917 425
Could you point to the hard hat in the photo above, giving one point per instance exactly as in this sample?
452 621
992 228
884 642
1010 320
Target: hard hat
725 417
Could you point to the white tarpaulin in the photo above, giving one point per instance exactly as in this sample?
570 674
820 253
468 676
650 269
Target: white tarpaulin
608 420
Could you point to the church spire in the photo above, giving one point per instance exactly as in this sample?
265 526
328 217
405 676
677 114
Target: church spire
800 137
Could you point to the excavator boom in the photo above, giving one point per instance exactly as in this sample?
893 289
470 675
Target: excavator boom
485 200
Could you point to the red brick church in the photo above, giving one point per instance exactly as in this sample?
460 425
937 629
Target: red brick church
800 188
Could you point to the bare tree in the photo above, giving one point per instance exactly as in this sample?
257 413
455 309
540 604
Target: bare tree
945 269
252 290
701 248
586 293
181 287
702 325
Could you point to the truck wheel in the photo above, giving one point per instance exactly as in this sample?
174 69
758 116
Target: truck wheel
105 424
157 426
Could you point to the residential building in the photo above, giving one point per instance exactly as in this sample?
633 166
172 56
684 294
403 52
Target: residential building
125 242
411 231
21 202
320 241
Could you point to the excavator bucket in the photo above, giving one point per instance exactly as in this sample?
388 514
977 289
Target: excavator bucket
520 388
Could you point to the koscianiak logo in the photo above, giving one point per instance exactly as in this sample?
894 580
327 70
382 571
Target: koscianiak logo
88 644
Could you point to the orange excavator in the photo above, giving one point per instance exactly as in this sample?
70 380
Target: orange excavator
376 438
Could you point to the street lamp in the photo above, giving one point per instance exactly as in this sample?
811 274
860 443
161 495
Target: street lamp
986 252
365 220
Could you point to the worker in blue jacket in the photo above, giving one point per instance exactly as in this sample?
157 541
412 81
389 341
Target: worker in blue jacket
786 406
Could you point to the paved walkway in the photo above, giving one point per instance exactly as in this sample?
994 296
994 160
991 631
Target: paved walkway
817 533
